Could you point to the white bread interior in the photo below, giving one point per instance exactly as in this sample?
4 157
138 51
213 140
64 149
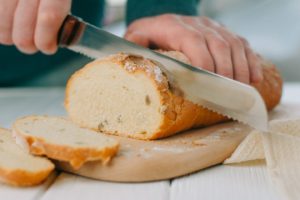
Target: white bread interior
130 96
60 139
17 167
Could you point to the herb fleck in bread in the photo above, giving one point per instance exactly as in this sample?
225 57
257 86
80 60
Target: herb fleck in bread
19 168
130 96
60 139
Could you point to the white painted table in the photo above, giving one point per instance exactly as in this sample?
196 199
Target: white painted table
220 182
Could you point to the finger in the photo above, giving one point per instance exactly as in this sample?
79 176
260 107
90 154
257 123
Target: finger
150 30
51 15
256 74
24 25
194 47
221 52
193 23
138 38
138 25
207 21
7 9
240 68
193 44
183 39
238 54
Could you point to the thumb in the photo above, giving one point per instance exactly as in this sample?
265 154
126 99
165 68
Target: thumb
138 38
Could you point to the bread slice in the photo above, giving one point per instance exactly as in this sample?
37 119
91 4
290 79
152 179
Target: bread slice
60 139
18 167
130 96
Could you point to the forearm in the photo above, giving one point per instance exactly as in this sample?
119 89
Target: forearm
137 9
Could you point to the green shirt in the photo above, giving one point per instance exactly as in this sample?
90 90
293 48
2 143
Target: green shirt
136 9
17 68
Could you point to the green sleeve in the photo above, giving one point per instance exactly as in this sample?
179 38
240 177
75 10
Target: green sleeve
136 9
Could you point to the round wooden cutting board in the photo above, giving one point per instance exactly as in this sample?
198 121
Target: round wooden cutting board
139 161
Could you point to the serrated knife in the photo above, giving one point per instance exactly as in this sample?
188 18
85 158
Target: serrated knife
220 94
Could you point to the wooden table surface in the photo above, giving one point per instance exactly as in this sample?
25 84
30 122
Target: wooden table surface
233 182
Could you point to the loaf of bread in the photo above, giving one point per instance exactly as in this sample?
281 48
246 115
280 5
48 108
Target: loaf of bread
60 139
130 96
19 168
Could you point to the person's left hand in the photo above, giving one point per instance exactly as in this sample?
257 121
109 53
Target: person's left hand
205 42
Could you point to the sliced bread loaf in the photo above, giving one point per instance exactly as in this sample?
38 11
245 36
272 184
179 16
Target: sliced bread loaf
60 139
19 168
130 96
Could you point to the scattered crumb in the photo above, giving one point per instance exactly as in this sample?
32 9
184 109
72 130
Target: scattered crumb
100 126
184 142
214 137
119 119
125 88
198 143
146 149
174 149
143 132
127 145
79 142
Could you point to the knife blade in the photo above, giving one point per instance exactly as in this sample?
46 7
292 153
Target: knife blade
220 94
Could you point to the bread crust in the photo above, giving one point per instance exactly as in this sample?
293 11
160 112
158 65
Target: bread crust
19 177
180 114
76 156
23 178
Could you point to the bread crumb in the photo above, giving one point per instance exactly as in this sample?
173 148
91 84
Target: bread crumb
79 142
119 119
184 142
198 143
125 88
163 109
61 130
147 100
100 126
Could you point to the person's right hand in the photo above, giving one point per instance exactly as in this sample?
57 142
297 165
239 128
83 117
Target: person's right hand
32 25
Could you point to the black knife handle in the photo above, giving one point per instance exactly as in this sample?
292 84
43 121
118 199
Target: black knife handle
70 31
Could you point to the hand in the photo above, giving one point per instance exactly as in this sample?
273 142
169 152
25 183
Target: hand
32 25
206 43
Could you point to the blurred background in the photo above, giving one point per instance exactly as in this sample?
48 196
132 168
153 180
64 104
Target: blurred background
270 26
